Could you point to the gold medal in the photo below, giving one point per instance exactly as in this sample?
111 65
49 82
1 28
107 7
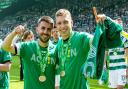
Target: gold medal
42 78
62 73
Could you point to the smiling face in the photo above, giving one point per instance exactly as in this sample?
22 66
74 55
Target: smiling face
44 31
44 28
64 23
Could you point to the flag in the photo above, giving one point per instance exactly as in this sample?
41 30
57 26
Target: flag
107 35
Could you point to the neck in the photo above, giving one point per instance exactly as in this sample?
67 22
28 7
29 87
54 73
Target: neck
68 36
42 44
55 40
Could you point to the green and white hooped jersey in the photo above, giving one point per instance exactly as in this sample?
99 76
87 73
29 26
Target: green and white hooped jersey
32 69
117 56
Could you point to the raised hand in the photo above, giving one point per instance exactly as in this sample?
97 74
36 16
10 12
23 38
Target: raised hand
19 30
99 18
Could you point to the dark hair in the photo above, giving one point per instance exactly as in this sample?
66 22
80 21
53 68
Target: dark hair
25 34
47 19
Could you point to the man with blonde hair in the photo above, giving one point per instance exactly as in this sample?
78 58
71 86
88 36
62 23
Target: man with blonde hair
72 50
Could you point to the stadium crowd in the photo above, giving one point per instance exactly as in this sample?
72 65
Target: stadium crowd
84 21
82 16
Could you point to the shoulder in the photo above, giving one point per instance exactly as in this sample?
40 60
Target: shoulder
29 43
85 34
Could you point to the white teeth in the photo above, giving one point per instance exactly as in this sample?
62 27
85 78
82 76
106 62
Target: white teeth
45 35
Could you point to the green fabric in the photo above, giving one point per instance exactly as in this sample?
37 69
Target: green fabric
112 32
32 71
4 88
104 76
4 76
53 48
79 48
107 35
90 64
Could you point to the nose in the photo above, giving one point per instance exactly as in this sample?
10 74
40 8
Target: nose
62 25
45 30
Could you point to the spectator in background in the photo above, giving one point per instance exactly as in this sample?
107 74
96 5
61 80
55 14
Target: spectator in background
117 63
55 35
27 36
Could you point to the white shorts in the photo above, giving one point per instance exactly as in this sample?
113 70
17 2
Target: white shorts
117 77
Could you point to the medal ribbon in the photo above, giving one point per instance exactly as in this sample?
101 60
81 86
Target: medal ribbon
43 58
65 52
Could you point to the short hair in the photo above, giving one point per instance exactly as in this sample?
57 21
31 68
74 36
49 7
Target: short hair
47 19
63 12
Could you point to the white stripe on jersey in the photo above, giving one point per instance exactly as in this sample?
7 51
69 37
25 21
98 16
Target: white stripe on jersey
119 49
117 64
112 57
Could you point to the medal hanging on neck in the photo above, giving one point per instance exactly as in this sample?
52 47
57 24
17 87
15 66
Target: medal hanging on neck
42 63
65 54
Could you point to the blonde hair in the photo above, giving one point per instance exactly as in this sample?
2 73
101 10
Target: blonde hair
63 12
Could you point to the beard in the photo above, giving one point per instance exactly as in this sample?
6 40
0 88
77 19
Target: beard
42 39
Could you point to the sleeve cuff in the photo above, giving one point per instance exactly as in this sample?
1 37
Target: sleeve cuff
57 80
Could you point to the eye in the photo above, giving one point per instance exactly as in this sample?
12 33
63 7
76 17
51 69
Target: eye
42 28
49 29
65 22
59 23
